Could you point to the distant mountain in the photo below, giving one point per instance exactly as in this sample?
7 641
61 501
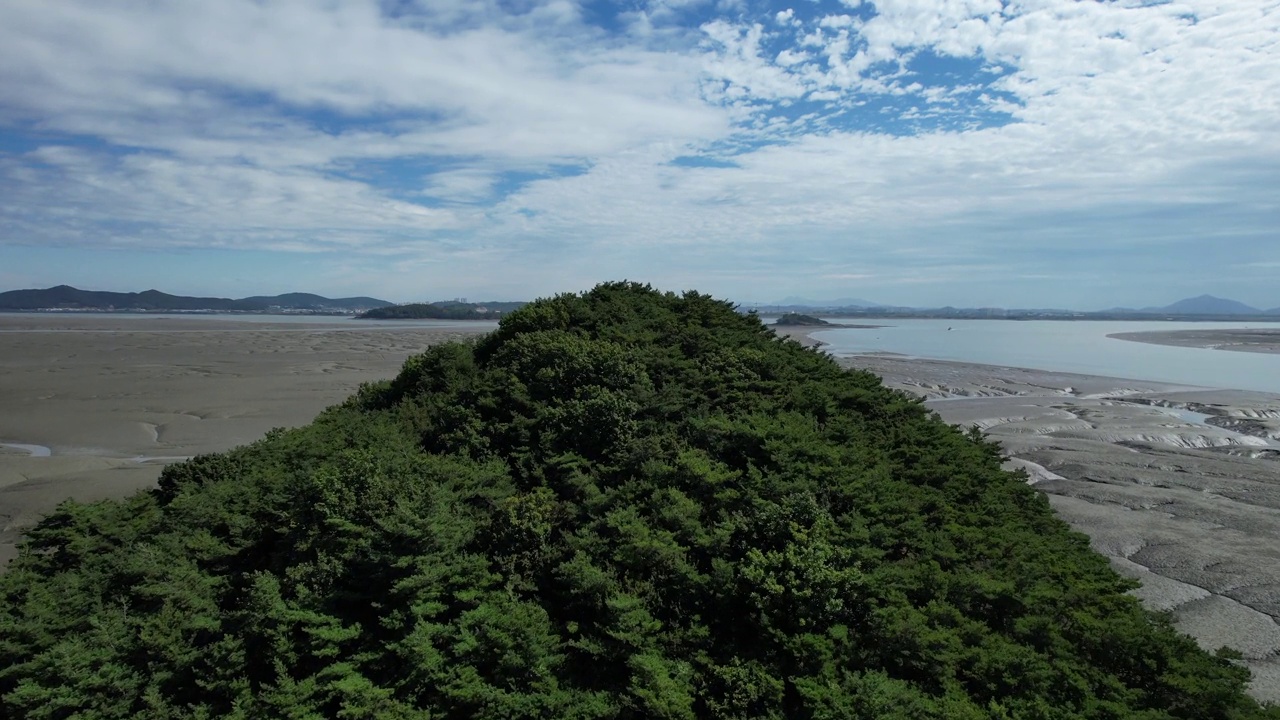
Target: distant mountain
1206 305
65 297
839 302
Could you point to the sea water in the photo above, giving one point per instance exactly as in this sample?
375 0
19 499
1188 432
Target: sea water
1079 346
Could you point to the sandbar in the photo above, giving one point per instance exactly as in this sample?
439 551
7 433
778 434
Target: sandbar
803 334
1258 340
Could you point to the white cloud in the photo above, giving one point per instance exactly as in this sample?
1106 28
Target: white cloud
73 62
147 199
465 185
300 125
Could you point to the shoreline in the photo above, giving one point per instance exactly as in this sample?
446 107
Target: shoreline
1252 341
1235 340
803 334
1177 486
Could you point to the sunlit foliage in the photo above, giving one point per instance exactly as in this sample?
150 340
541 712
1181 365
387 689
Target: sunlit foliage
621 504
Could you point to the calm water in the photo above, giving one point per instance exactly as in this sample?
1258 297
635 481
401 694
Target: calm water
1066 346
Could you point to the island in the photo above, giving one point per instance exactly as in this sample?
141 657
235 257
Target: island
441 311
793 319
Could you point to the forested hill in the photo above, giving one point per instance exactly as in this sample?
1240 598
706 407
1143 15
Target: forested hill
622 504
442 311
65 297
798 319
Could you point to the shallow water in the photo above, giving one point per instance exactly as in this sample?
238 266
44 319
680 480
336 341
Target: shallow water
1065 346
32 450
1190 416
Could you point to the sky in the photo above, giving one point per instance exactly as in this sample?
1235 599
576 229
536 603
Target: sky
1030 153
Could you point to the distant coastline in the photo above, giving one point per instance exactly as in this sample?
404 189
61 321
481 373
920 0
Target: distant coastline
882 313
67 299
1205 308
441 311
64 298
173 311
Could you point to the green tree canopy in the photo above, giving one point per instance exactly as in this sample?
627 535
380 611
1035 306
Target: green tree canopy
620 504
794 318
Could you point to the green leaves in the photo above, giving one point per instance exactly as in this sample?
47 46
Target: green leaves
622 504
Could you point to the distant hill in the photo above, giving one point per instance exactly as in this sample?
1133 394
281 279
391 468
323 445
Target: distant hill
65 297
800 320
1207 305
442 311
310 301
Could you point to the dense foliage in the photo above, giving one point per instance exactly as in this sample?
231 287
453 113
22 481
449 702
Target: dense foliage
624 504
792 318
441 311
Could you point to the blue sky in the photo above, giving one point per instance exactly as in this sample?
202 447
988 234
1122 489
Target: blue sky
1039 153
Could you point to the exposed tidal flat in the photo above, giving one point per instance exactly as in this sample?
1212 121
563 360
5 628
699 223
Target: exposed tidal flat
1176 482
1179 485
93 406
1258 340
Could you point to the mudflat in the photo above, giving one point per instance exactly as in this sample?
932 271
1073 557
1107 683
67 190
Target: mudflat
92 407
1260 340
1178 487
